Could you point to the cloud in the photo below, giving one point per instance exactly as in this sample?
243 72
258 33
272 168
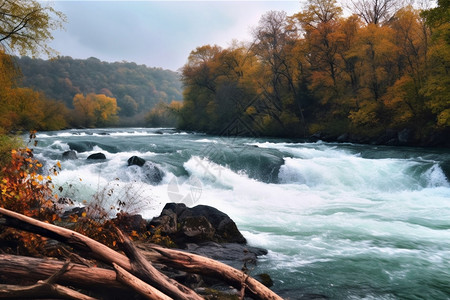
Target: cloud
156 33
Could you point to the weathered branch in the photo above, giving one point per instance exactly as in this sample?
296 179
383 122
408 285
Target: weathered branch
22 267
207 266
142 268
43 289
138 285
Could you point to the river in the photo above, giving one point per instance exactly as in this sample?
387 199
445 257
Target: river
340 221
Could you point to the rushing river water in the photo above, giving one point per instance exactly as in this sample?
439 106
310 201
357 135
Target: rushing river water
340 221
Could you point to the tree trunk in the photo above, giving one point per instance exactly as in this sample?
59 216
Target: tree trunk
29 268
207 266
97 250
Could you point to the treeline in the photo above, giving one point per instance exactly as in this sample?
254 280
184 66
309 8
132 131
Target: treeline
383 69
136 89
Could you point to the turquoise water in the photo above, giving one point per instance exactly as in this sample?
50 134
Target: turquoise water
340 221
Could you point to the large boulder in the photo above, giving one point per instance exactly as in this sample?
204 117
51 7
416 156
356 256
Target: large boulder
150 172
97 156
201 223
69 155
136 161
153 174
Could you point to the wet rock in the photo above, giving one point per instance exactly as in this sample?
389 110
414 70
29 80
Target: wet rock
97 156
152 173
136 161
198 229
129 223
226 229
207 222
166 222
81 146
69 155
265 279
233 254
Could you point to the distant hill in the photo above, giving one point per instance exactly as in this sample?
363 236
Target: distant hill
137 88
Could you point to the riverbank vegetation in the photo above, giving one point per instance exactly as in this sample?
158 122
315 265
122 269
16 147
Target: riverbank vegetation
382 70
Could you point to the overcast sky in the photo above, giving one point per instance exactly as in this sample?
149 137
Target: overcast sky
156 33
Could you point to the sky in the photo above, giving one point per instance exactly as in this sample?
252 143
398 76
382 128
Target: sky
156 33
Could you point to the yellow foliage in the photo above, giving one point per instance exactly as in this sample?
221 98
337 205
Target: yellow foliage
95 110
366 115
443 118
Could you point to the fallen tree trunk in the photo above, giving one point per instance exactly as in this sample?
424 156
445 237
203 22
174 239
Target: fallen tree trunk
96 249
21 267
207 266
138 285
43 289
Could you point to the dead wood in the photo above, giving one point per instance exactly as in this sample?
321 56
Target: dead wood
209 267
143 268
43 289
22 267
97 250
138 285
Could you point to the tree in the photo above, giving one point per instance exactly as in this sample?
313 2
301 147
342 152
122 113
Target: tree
404 97
376 11
436 88
26 25
276 48
95 110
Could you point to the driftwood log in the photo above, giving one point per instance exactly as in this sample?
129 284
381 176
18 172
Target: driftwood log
78 241
43 289
135 270
206 266
144 289
34 269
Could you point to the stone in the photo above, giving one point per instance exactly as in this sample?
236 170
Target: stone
233 254
226 229
136 161
203 222
153 174
69 155
265 279
97 156
128 222
166 222
198 229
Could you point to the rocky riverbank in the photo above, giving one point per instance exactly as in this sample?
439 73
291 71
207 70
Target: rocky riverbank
390 137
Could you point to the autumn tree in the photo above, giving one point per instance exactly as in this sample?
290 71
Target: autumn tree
436 88
277 48
26 25
375 11
95 110
164 115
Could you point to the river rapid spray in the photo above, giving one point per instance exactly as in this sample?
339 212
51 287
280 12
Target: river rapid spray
340 221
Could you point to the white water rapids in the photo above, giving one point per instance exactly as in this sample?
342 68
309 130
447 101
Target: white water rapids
340 221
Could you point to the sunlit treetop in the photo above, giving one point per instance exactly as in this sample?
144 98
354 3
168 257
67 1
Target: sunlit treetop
26 26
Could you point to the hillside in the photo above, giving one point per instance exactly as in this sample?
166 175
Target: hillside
137 88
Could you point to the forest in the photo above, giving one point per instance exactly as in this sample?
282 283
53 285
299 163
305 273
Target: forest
136 88
382 70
